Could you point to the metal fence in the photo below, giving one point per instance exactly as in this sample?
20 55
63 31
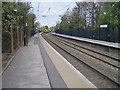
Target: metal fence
104 35
12 39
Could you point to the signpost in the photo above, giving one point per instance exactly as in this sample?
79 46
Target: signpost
108 34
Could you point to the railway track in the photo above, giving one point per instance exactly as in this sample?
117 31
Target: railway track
110 60
102 64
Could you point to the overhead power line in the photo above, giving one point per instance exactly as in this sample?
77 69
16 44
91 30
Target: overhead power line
38 8
61 10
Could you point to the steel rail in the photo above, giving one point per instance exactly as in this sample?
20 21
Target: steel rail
89 54
117 59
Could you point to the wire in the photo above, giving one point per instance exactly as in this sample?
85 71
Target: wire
55 13
48 10
61 10
38 8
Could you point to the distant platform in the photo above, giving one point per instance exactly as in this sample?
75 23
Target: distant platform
99 42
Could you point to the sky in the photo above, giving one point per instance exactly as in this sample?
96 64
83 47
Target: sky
51 10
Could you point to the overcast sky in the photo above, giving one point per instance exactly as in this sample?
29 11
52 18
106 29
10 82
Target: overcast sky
51 10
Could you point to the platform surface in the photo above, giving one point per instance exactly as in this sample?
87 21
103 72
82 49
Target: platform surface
26 70
71 76
55 78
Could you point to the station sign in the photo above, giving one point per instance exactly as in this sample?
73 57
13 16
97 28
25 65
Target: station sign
103 26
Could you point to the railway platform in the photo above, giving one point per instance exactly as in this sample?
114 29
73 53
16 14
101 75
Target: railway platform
38 65
26 70
99 42
107 48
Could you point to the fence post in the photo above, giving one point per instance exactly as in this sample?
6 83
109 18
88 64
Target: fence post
17 36
12 44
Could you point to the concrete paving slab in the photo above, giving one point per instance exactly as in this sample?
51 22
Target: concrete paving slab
31 41
26 70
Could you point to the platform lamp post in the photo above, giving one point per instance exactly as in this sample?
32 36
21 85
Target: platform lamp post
26 34
24 25
17 28
26 29
108 34
108 28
